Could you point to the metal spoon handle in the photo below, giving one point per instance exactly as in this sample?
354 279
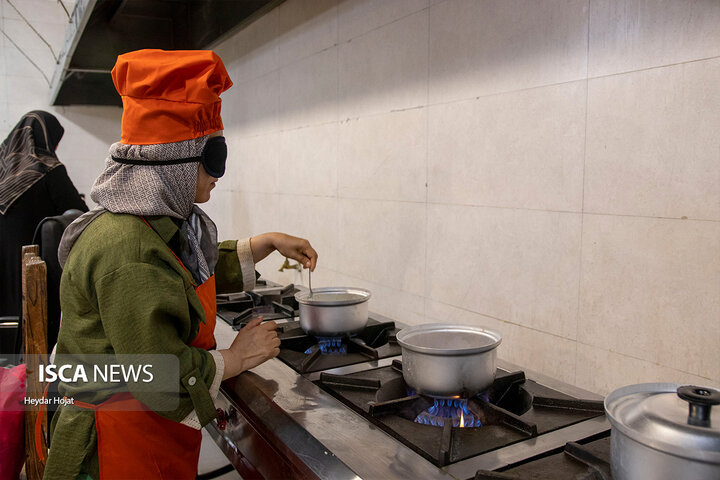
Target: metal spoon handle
310 282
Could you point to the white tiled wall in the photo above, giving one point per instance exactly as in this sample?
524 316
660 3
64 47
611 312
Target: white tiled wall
384 157
519 149
89 131
548 168
669 170
482 47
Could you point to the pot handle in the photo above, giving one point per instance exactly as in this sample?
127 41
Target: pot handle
701 400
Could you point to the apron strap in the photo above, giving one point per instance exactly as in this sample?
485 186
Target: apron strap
41 415
78 403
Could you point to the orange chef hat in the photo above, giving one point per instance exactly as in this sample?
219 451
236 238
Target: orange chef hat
169 96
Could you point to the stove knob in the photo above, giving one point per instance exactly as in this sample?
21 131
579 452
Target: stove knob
221 419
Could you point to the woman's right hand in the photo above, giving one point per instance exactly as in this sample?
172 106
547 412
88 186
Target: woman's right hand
256 343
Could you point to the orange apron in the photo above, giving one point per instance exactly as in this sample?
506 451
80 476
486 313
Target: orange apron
135 442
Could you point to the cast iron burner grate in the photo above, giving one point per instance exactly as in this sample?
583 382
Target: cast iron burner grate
307 353
272 303
511 410
587 461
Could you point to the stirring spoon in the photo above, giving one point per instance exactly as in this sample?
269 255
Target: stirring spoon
310 282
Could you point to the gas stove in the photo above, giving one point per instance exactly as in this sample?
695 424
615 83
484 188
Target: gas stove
449 430
302 352
339 408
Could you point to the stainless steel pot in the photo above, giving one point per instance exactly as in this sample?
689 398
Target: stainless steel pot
333 311
663 431
442 360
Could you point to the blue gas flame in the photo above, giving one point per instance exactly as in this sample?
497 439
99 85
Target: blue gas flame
330 346
446 410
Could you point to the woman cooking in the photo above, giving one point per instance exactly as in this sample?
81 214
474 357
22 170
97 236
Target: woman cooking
141 272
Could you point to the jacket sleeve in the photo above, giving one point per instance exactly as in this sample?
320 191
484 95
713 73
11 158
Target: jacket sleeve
235 269
144 310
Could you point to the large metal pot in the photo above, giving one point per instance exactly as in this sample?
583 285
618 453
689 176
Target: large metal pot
333 311
442 360
663 431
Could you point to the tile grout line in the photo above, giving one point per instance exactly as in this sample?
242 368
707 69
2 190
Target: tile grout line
497 207
375 282
537 330
587 79
337 42
564 338
644 360
427 167
337 159
528 209
567 82
582 197
329 122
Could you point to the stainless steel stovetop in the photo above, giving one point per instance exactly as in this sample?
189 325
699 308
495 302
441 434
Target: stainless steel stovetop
284 424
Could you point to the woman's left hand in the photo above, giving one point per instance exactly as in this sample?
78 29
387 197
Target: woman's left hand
292 247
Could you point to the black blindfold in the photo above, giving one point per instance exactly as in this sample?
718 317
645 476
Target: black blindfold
213 158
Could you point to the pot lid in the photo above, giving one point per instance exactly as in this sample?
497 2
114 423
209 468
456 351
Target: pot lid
669 417
448 339
333 296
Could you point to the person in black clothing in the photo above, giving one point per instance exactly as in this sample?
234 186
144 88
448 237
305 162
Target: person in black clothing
33 185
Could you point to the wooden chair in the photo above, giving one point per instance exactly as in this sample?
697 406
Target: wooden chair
34 328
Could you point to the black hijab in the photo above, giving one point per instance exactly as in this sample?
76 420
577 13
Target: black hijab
28 154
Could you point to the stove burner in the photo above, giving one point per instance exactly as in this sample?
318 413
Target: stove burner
307 353
453 410
513 409
330 346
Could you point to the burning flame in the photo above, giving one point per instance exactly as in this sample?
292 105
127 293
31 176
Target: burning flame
454 410
329 346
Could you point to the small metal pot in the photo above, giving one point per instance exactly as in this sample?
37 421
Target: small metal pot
333 311
663 431
442 361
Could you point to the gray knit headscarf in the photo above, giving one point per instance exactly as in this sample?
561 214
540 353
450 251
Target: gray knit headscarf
154 190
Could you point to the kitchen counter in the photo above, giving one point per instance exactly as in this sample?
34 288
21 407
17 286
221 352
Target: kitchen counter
280 424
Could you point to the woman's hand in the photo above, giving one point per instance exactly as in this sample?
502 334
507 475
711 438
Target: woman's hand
292 247
254 344
296 248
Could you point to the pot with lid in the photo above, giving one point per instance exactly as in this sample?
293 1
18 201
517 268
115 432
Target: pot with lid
664 431
333 311
442 360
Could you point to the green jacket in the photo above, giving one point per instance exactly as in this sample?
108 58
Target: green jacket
122 291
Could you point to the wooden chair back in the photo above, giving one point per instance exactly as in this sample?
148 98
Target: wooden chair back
34 329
